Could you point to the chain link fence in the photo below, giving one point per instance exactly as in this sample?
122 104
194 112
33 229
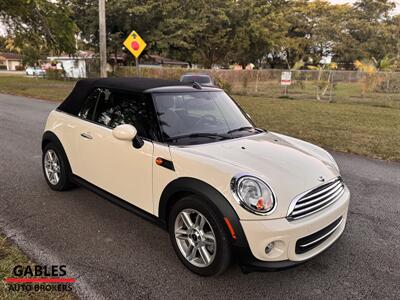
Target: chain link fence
377 89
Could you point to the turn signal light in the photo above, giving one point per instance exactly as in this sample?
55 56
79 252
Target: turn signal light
230 227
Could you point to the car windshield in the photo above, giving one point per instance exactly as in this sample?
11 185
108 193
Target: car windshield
200 117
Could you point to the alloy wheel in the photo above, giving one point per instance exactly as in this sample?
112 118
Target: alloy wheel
52 167
195 238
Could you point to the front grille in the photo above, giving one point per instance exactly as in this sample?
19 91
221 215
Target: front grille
313 240
317 199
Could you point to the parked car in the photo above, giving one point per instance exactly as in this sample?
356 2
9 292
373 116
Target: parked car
202 79
188 158
35 71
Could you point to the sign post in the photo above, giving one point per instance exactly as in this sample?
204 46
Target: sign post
135 44
286 80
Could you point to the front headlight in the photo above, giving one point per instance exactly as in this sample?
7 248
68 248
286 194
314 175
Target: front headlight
253 194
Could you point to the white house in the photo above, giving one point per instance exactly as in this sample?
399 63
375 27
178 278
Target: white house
74 66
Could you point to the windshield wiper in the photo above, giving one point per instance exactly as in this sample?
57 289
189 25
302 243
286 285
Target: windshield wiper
197 134
245 128
241 129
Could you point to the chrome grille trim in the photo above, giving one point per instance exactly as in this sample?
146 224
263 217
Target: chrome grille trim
330 192
316 199
337 182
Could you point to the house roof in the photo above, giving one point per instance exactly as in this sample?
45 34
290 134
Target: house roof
73 103
11 56
80 54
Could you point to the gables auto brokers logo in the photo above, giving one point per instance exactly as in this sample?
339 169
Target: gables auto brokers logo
40 278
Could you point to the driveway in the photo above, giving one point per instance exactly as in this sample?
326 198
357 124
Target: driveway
117 255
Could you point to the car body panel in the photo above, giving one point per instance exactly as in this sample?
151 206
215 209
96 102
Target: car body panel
110 164
289 170
285 233
161 175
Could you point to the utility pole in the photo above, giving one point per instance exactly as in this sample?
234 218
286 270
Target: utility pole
103 43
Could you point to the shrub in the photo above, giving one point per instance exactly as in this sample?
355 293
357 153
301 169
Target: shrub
223 84
20 68
55 74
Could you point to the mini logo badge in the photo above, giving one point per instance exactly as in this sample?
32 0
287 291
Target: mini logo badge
321 179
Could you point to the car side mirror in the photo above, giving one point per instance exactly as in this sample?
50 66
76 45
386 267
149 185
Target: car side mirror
127 132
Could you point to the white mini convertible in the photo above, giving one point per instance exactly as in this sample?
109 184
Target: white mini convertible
189 158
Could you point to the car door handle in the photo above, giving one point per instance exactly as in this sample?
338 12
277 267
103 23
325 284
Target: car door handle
86 135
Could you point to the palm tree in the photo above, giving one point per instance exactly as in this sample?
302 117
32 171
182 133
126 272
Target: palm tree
371 68
324 84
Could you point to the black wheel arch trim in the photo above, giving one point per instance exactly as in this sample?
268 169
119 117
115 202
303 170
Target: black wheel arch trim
51 137
189 185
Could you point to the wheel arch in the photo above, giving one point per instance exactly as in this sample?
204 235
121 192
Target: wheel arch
184 186
51 137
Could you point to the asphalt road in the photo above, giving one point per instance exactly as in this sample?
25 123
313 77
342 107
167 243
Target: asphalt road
117 255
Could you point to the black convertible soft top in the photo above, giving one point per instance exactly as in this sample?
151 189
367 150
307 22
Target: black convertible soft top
73 103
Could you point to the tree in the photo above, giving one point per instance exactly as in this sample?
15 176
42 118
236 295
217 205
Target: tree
3 43
367 32
38 24
190 30
309 35
256 29
280 33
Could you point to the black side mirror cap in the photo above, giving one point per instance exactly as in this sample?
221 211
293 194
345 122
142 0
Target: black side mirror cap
137 142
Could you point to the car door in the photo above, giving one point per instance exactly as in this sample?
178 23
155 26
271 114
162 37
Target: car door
115 165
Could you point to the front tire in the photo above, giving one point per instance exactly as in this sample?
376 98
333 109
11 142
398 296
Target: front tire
56 168
199 237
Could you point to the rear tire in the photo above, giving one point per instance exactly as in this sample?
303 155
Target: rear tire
199 237
56 168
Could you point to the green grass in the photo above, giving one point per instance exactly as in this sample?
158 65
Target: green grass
347 127
368 125
36 87
343 92
10 256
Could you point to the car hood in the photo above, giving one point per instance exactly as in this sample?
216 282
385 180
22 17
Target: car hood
288 165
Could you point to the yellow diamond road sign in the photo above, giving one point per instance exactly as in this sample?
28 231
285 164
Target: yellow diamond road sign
134 43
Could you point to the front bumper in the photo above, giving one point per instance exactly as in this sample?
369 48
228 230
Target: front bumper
248 263
285 234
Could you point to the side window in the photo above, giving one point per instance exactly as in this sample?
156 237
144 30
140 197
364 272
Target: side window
89 105
118 107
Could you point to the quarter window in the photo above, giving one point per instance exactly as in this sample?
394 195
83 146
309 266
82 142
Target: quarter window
89 106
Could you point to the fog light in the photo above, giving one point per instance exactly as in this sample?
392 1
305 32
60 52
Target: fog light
269 247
